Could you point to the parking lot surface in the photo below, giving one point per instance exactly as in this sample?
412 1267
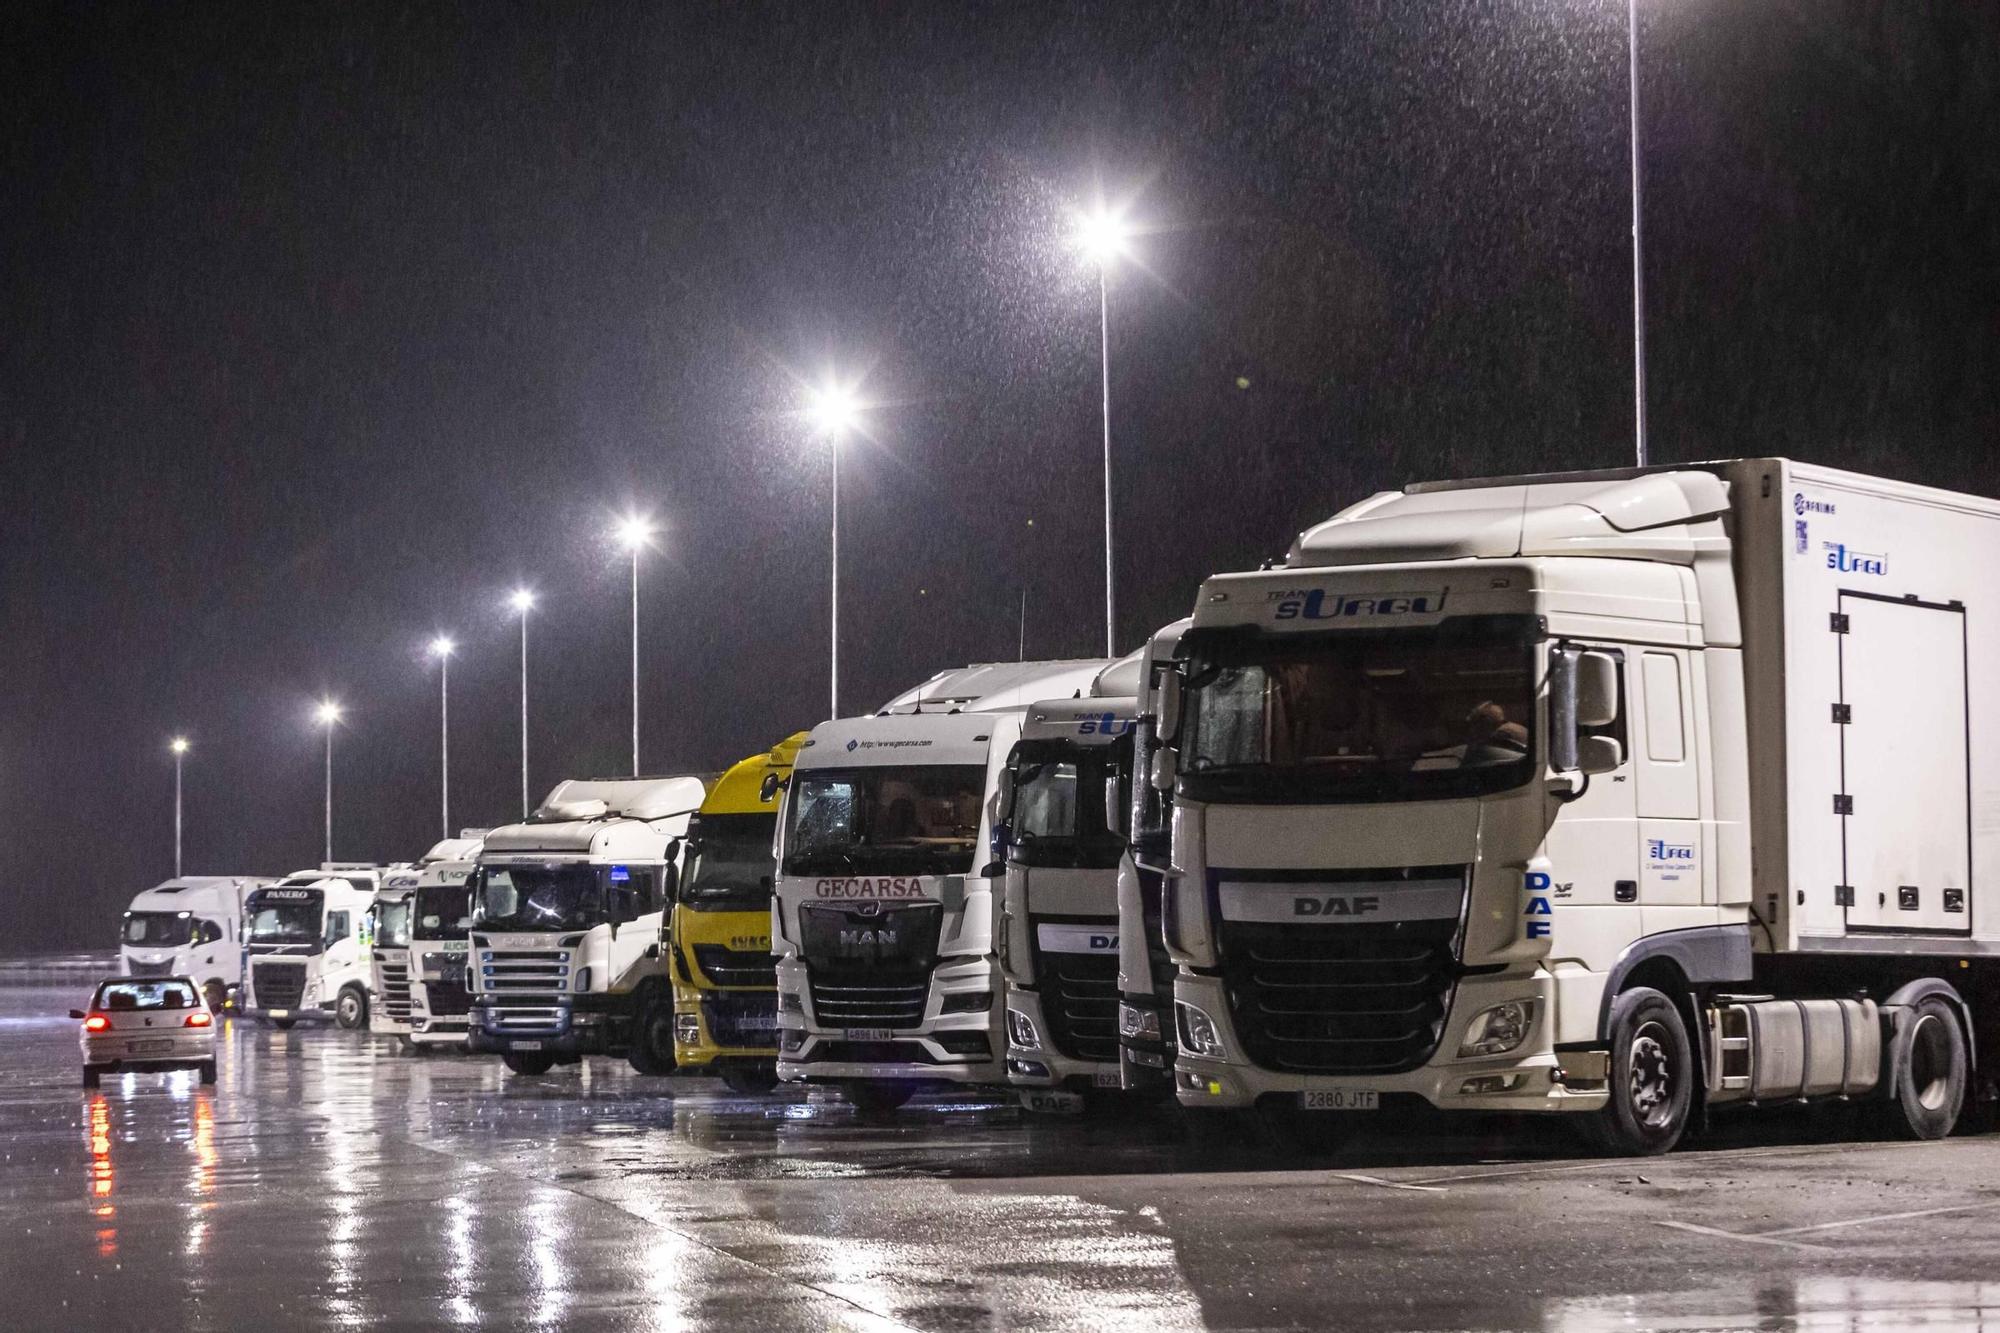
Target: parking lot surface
331 1181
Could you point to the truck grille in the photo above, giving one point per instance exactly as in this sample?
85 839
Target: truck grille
135 968
870 970
1080 1003
278 985
886 1002
724 966
396 991
525 989
741 1021
1313 997
448 999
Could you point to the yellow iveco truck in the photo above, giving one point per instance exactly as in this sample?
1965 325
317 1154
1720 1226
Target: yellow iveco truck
725 980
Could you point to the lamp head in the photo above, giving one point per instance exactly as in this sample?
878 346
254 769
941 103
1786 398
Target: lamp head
522 600
1103 235
634 532
833 409
327 713
179 745
442 646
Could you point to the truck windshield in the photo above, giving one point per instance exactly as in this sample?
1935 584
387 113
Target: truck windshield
1059 807
556 896
920 820
731 861
157 930
1361 716
392 924
443 912
292 919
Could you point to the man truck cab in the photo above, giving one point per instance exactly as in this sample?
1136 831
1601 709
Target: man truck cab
725 979
390 922
440 929
1063 806
887 897
1466 796
566 917
303 949
189 927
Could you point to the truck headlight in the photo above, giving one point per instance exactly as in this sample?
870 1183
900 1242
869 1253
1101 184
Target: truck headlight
687 1029
1021 1031
1498 1030
1141 1023
1200 1035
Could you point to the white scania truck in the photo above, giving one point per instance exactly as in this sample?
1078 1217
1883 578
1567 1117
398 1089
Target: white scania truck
886 913
1063 808
1623 794
566 913
189 927
389 934
440 938
305 955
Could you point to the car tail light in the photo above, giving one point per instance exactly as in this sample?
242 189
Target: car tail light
96 1023
198 1019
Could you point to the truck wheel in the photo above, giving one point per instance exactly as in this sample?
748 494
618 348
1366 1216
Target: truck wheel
530 1063
284 1024
91 1076
208 1072
1652 1078
216 994
874 1099
1929 1060
749 1080
350 1010
652 1050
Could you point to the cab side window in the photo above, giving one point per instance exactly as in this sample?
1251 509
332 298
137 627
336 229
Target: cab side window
206 932
630 893
336 927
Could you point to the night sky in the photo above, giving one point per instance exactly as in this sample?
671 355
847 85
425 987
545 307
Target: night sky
324 327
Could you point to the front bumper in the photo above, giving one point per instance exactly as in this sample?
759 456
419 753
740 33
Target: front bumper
302 1014
578 1025
1042 1065
1524 1079
948 1048
712 1025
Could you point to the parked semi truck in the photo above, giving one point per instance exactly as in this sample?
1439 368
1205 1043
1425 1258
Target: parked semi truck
887 908
389 935
566 916
1145 971
1622 795
440 933
304 952
1064 797
189 927
725 978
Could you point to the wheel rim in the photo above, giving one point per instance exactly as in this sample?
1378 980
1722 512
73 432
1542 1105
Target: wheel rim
1931 1063
1651 1081
349 1009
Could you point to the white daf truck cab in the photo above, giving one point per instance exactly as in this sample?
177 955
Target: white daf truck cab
305 955
566 914
389 935
887 905
189 927
440 939
1063 803
1616 795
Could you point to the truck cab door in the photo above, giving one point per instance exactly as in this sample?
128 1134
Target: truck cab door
1668 787
1593 846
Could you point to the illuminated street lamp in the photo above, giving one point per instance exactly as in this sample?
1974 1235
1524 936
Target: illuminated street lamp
441 649
1105 237
179 746
328 716
523 601
834 412
635 534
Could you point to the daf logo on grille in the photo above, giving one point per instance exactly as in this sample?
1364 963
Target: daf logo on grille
866 909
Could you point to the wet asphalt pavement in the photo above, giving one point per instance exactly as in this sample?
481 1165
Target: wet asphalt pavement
330 1181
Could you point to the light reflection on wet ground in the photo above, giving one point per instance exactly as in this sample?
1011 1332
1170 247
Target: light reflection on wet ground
330 1181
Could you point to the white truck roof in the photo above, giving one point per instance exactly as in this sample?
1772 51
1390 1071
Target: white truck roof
176 895
585 815
898 739
991 687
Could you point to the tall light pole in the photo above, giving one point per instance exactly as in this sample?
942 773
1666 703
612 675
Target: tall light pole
1638 271
635 534
523 601
441 649
328 716
1104 236
834 412
179 745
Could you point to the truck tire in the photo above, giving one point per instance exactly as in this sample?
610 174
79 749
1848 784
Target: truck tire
91 1076
215 993
1652 1078
284 1024
528 1063
1930 1071
350 1008
652 1051
875 1099
749 1080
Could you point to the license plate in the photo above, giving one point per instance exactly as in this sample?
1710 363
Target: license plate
524 1046
1340 1099
146 1047
281 1013
869 1034
1108 1078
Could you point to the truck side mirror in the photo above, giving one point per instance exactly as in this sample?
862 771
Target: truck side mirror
1170 707
1115 805
1005 786
1599 754
1166 768
768 789
1596 689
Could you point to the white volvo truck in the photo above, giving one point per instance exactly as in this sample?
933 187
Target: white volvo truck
1621 795
305 955
1064 801
440 937
566 913
1145 972
887 911
189 927
389 935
